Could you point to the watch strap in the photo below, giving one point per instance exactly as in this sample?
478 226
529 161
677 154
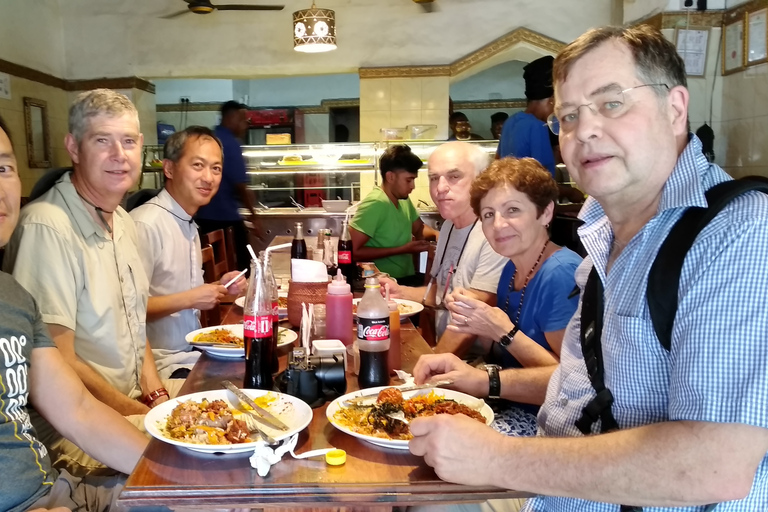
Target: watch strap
494 381
506 340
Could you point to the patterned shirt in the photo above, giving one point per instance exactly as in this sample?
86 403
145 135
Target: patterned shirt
716 368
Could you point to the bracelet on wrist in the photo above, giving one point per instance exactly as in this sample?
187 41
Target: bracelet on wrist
153 396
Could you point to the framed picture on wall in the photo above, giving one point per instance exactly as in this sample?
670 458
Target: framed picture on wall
733 47
691 44
757 37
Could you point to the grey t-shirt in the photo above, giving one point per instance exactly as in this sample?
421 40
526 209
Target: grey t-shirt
479 266
24 460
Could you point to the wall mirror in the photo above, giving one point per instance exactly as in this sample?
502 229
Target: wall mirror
38 133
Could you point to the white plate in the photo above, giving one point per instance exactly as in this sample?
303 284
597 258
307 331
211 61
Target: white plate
240 301
289 409
334 406
285 338
414 307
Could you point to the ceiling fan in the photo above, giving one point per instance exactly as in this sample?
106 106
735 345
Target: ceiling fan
427 5
206 7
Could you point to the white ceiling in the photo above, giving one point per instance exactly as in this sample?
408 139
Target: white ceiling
82 39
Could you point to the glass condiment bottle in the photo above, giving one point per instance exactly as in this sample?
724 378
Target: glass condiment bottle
299 246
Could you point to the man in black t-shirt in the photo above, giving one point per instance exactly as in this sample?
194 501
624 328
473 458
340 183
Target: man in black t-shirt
35 373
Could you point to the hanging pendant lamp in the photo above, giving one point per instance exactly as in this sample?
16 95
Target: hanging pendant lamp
314 30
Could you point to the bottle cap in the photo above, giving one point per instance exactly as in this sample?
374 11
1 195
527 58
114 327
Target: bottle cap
339 285
336 457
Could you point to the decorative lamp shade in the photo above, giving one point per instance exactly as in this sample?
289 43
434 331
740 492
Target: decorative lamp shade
314 30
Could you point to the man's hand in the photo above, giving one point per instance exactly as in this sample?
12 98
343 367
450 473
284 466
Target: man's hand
236 288
394 289
466 378
458 447
207 296
416 246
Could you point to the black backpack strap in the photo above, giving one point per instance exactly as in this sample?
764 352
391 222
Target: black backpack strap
664 277
591 331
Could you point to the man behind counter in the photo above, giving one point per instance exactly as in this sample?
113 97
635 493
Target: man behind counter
386 228
223 210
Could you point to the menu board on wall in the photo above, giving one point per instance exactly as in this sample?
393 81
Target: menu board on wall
756 37
733 47
5 86
692 46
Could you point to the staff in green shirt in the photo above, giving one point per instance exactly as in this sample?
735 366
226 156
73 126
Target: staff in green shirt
386 228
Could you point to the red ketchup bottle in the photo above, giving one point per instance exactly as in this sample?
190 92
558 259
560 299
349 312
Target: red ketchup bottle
338 310
373 336
257 327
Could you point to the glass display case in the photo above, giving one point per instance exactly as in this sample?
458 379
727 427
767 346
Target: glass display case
309 173
281 176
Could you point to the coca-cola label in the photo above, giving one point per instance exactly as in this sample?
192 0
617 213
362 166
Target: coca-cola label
373 329
257 326
275 311
345 257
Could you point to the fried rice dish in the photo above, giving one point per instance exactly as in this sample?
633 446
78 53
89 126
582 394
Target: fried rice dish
219 336
373 420
206 422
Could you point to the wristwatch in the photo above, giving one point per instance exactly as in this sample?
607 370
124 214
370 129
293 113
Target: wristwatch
506 340
494 381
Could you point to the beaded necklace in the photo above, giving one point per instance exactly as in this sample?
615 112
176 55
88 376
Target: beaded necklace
525 285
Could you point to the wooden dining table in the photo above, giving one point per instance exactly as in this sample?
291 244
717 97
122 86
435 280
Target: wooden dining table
372 477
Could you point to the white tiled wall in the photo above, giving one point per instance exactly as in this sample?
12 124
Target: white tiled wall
396 103
741 136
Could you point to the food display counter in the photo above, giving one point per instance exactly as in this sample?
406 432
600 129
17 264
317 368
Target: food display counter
289 182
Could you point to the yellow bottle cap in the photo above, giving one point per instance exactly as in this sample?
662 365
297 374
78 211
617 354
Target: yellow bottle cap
336 457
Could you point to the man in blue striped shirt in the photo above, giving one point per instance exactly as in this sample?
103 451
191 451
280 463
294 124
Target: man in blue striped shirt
693 421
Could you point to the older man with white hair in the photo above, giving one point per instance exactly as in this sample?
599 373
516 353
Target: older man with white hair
463 259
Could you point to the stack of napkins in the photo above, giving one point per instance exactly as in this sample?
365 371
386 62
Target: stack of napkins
308 271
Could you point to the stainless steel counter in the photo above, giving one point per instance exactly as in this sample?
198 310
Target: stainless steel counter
281 221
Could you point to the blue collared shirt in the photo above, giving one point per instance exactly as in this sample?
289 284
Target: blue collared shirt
717 368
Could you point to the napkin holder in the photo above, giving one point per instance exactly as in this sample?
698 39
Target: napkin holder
309 293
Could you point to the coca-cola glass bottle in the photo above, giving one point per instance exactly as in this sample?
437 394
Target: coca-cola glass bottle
298 246
373 336
257 327
274 295
344 254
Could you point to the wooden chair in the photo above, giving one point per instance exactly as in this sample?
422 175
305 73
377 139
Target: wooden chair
229 237
212 316
215 239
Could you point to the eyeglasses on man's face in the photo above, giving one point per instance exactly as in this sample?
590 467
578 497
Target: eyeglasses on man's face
610 104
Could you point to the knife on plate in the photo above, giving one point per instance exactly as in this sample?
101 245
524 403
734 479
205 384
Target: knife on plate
261 414
360 399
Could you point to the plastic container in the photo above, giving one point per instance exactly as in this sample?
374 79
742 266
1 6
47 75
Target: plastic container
373 336
393 358
319 322
338 310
